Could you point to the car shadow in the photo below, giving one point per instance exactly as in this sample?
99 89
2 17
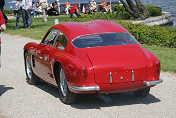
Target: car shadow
4 89
91 101
48 88
118 99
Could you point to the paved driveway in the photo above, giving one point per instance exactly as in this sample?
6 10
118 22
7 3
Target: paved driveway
20 100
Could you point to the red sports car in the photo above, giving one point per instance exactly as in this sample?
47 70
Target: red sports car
91 57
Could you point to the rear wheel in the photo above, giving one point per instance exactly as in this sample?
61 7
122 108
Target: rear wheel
142 93
31 77
66 95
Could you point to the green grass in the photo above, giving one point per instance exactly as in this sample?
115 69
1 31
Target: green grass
167 56
38 30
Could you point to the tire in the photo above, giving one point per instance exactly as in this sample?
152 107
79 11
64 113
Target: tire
66 96
31 79
142 93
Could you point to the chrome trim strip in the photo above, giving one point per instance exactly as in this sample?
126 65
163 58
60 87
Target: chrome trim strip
110 77
132 76
150 83
85 88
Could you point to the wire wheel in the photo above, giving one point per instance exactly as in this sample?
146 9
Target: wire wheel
63 83
28 68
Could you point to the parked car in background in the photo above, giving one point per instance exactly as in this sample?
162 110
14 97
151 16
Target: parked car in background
92 57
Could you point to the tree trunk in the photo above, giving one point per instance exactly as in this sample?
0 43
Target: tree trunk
138 10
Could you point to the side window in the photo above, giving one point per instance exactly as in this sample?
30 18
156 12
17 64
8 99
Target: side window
49 39
61 41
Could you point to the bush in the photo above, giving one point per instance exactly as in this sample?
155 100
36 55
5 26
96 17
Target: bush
121 13
7 11
153 10
151 35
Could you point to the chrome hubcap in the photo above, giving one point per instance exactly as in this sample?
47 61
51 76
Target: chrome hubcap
28 67
63 82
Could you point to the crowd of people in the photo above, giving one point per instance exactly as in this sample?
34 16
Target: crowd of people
28 9
90 8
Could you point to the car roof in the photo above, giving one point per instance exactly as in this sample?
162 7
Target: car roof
75 29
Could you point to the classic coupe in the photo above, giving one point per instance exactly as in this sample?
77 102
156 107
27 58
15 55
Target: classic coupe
90 58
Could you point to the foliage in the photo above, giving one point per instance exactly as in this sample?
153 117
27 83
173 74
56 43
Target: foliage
151 35
154 10
7 11
121 12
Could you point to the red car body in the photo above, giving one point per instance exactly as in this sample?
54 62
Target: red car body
102 69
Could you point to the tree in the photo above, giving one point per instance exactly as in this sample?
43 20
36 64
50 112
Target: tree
138 10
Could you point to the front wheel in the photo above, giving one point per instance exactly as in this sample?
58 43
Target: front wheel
142 93
66 95
31 77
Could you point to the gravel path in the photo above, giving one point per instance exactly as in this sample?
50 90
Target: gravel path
20 100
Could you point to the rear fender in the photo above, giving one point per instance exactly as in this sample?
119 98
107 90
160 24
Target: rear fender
152 72
73 68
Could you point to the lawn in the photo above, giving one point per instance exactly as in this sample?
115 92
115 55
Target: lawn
39 28
167 56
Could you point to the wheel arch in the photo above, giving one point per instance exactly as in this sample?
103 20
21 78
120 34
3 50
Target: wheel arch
56 68
25 50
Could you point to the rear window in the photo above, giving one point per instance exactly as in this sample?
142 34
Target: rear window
105 39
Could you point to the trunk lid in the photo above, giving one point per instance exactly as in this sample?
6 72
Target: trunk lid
115 64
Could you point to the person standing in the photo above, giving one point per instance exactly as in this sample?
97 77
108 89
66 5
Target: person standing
2 28
20 4
58 6
2 3
2 22
29 12
67 5
44 9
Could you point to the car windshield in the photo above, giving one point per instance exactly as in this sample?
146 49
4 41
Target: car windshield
104 39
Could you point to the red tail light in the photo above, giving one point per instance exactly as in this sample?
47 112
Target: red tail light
157 65
84 72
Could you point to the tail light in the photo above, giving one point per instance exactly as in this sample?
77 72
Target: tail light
84 72
157 66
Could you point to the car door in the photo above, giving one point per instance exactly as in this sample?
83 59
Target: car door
60 44
44 55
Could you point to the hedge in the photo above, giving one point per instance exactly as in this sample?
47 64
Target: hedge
153 11
151 35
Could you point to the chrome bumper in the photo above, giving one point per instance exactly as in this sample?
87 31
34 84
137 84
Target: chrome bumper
85 88
150 83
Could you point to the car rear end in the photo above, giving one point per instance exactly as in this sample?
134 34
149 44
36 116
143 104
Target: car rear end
118 64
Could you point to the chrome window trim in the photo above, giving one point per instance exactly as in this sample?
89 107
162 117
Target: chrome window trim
54 39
